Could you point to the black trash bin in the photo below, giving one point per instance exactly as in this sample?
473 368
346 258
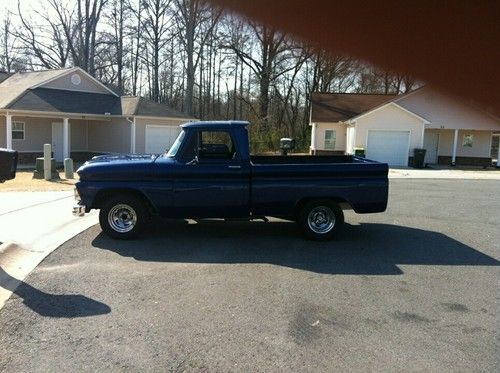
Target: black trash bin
8 164
418 158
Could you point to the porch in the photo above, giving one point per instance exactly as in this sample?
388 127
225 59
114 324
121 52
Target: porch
74 137
459 147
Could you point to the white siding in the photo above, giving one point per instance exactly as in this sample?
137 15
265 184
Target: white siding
390 118
111 136
86 84
79 135
341 133
444 112
481 146
37 131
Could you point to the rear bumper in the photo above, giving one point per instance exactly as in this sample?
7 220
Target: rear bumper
78 210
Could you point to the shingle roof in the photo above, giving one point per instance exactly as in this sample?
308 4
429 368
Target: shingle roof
133 105
18 83
20 91
4 75
129 104
336 107
56 100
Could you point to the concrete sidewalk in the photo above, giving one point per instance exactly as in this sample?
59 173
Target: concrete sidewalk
428 173
32 225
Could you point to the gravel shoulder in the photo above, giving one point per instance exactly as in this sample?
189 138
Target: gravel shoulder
24 182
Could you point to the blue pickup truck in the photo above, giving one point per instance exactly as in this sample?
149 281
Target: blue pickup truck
209 173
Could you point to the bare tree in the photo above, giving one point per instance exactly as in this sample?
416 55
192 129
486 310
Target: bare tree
117 16
195 23
80 29
44 42
10 59
275 57
155 25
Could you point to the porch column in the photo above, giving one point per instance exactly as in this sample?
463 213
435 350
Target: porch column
66 140
132 136
454 150
8 138
313 139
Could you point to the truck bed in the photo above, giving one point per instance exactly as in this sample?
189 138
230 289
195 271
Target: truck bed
306 159
277 182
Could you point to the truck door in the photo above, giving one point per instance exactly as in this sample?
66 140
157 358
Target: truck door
210 180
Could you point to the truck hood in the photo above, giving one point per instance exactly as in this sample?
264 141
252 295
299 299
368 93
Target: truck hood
118 167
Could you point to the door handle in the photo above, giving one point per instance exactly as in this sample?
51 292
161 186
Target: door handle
234 167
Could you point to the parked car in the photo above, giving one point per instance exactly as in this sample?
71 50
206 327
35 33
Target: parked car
209 173
8 164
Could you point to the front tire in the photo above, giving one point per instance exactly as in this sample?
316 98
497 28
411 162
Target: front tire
321 220
123 217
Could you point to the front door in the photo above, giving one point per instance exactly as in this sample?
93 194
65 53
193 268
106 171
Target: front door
57 141
210 180
431 145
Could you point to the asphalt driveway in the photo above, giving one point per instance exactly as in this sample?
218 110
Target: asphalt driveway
412 289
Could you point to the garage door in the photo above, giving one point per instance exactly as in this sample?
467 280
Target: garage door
160 138
389 147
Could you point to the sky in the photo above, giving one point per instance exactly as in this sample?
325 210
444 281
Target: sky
26 5
11 5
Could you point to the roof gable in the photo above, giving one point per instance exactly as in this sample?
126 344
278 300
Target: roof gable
393 105
337 107
75 80
445 111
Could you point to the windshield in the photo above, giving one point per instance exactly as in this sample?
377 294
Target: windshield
175 147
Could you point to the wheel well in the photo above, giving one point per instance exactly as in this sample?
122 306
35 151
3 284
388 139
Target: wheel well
338 200
103 195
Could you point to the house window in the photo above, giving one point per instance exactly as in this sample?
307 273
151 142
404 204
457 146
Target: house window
468 141
17 130
330 137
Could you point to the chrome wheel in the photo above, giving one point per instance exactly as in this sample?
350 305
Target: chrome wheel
321 219
122 218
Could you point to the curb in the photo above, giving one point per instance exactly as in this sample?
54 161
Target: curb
17 261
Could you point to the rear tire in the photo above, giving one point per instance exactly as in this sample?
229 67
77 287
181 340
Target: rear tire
123 217
321 219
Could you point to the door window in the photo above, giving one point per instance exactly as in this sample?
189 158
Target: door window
216 145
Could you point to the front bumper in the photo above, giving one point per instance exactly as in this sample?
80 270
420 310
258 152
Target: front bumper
78 210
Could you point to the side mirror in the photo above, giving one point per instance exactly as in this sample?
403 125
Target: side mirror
194 161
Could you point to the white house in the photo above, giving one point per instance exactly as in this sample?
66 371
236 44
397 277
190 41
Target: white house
80 117
390 127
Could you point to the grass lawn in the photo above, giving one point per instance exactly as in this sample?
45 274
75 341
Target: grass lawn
24 182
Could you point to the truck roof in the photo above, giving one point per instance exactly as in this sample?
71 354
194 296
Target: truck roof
217 124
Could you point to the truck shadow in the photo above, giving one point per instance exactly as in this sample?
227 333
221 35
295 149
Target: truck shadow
52 305
368 248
